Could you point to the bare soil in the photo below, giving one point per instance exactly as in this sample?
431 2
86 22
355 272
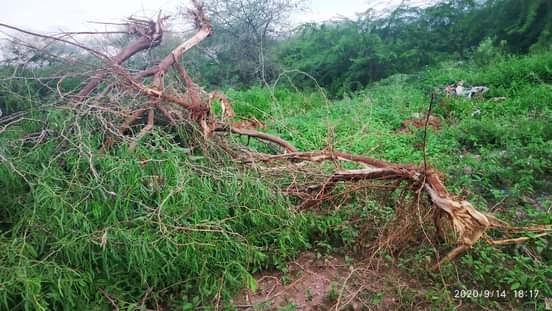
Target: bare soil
332 282
419 122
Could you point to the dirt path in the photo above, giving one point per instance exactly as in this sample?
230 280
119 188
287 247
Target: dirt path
331 283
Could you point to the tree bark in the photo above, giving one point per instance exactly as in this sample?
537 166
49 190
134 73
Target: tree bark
151 39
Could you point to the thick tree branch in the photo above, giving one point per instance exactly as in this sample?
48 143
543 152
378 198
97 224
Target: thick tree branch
205 30
151 38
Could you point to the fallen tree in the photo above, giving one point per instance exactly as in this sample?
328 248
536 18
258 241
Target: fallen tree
424 197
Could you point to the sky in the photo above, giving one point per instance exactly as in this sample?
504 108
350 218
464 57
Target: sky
322 10
56 15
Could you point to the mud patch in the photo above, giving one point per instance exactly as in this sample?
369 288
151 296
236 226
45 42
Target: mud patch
418 120
329 283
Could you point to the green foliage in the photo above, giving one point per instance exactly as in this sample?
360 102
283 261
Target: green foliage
158 222
524 24
346 55
487 53
20 89
17 94
264 104
333 294
501 156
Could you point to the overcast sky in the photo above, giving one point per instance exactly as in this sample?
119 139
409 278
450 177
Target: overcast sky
56 15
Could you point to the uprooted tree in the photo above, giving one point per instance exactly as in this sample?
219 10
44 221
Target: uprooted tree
314 178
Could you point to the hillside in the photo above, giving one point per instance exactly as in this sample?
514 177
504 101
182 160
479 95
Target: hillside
164 225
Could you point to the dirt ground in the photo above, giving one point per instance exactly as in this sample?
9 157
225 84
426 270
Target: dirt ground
315 282
419 121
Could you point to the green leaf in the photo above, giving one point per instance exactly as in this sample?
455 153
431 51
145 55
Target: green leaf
377 298
251 283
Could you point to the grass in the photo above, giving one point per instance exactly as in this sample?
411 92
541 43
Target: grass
173 227
170 226
500 157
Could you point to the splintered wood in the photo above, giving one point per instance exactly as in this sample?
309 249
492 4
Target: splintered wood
467 224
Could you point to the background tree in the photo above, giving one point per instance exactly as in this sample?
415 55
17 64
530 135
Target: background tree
245 31
523 24
348 54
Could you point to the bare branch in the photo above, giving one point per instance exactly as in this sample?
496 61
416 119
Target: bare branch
93 51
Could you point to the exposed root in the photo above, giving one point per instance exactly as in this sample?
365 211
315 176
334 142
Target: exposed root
467 223
227 111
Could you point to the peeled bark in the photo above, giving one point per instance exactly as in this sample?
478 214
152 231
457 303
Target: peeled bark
467 223
150 39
